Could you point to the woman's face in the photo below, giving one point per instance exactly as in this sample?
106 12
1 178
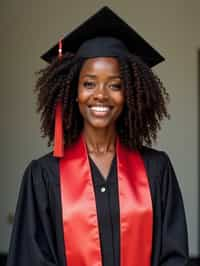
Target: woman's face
100 92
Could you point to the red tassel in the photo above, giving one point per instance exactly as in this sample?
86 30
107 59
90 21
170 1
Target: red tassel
58 133
60 48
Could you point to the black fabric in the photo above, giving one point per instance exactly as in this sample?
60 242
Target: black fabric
107 203
107 24
37 238
102 47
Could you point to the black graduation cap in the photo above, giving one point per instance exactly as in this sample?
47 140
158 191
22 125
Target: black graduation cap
106 23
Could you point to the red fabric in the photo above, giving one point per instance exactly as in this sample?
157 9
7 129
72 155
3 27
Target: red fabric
58 133
81 233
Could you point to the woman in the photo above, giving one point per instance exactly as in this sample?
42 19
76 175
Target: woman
107 200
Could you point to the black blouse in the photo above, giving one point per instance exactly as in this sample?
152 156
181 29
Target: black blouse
107 202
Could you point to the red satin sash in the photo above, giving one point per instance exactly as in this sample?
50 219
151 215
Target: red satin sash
81 233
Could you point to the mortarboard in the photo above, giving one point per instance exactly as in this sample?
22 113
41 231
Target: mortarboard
106 23
103 34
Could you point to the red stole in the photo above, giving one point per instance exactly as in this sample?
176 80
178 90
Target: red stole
81 233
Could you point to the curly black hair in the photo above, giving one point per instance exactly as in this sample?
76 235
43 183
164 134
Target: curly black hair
144 108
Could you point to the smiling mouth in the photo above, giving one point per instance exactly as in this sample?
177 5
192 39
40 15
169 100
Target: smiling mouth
100 111
100 108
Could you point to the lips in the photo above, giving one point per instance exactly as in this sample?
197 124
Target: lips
100 111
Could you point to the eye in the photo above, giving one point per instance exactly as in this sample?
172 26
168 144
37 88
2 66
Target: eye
88 84
116 86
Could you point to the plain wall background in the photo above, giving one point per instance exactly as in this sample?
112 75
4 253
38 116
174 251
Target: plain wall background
28 28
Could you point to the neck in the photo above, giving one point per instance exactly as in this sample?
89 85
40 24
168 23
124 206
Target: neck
100 140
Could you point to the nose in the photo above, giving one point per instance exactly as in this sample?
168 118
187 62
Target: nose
101 93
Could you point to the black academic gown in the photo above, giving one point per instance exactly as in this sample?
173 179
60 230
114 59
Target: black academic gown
37 237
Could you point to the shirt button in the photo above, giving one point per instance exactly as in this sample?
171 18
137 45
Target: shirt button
103 189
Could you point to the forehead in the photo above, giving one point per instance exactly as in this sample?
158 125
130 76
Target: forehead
101 64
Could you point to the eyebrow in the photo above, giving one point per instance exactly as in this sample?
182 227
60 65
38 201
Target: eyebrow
110 77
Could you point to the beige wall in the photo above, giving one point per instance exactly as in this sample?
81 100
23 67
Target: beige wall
28 28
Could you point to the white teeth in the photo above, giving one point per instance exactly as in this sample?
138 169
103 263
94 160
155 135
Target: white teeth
100 108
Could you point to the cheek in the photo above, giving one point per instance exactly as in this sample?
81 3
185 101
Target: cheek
79 94
120 99
83 95
82 98
120 102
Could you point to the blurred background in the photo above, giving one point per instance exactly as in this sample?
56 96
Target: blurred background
29 28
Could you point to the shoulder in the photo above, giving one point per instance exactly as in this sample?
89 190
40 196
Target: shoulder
47 161
156 161
43 169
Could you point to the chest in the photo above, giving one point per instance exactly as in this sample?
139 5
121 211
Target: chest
103 163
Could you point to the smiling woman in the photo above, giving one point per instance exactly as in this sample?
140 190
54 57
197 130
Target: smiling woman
101 100
102 197
100 92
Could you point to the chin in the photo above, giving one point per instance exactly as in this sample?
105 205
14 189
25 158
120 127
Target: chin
100 124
